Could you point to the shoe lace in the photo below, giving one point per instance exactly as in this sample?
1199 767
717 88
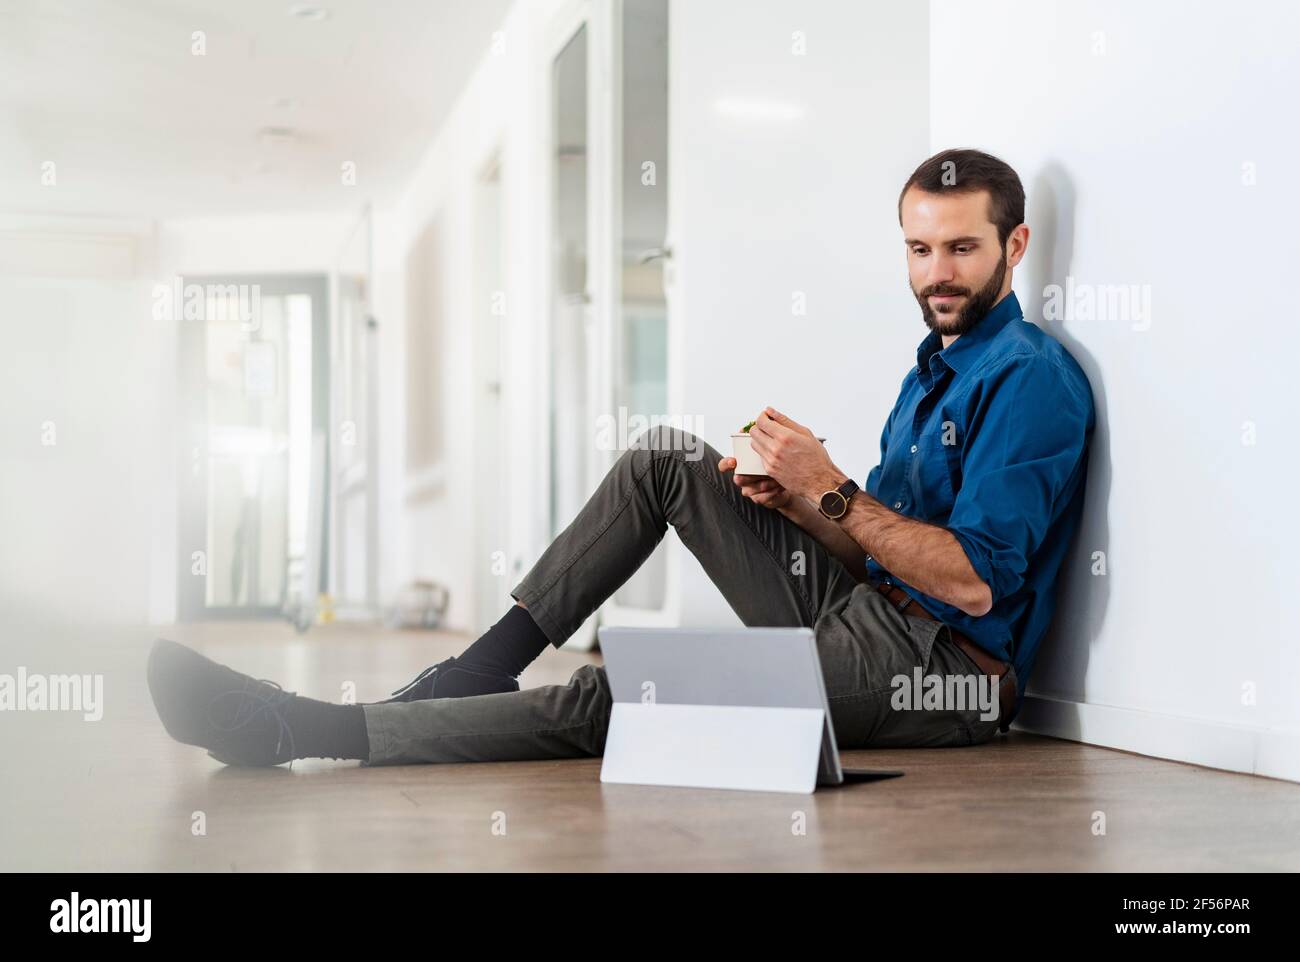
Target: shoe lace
422 676
252 705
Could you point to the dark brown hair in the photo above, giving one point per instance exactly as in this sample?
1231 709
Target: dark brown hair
967 171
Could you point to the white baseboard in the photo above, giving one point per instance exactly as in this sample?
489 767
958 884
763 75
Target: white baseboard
1236 748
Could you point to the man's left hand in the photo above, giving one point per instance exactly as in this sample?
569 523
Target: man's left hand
793 455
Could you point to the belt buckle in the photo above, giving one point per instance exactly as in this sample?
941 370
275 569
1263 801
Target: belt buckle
886 589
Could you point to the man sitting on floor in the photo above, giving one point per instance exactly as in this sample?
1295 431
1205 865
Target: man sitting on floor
947 562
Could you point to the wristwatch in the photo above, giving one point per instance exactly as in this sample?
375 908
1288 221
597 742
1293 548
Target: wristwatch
835 504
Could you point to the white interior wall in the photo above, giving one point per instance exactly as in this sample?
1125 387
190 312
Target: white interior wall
1148 123
84 479
78 481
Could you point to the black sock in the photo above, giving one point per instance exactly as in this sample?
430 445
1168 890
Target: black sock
509 646
323 730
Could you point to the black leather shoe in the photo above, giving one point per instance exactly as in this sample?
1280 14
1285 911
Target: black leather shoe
240 720
451 679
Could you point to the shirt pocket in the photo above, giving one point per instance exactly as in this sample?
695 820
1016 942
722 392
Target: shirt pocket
931 476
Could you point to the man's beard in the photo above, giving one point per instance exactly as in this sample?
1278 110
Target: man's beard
972 312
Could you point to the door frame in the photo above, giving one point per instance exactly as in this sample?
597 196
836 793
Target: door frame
564 25
356 480
491 493
611 287
191 401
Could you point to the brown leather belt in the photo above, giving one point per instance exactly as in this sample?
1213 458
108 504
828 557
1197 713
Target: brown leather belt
987 664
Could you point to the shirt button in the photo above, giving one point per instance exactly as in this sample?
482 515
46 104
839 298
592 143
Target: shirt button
898 504
913 448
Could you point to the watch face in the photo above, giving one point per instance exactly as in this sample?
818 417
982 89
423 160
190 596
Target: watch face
833 504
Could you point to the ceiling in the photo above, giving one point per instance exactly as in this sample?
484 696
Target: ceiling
135 123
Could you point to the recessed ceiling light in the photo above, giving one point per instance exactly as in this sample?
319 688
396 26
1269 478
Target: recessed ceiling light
308 11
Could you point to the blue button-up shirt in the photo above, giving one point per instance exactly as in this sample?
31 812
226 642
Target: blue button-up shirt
989 439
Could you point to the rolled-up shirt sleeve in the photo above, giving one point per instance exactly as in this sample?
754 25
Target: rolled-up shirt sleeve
1027 451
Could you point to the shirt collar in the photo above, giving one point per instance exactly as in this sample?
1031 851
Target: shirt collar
963 352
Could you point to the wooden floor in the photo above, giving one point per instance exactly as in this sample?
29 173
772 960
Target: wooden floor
118 794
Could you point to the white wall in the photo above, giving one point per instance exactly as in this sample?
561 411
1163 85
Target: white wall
786 171
78 470
1130 125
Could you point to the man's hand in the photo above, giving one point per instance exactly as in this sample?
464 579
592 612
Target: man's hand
793 455
759 489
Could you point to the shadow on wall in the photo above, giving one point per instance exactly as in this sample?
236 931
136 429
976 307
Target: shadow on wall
1082 596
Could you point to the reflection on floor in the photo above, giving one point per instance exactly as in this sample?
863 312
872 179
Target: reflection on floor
118 794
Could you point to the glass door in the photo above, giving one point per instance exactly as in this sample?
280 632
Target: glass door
248 379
